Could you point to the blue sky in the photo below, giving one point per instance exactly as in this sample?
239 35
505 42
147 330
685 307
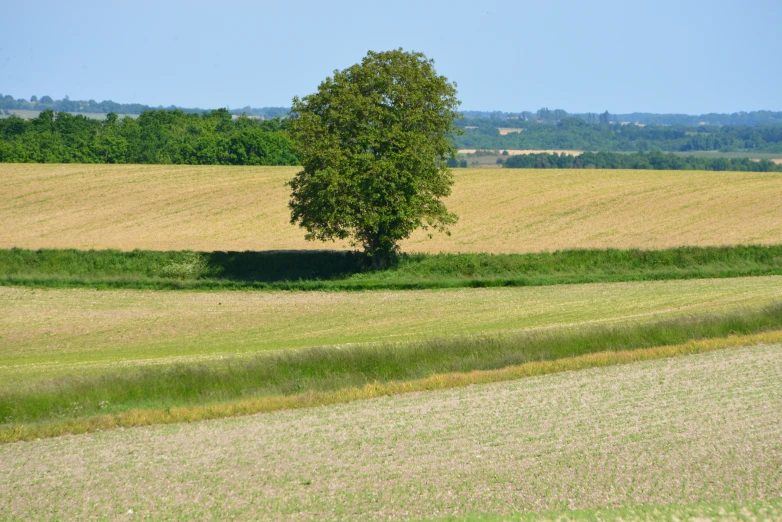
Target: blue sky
622 56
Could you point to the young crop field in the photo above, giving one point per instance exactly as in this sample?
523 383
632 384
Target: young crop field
501 210
700 429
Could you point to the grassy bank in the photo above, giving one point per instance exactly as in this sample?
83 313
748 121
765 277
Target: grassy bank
316 270
311 376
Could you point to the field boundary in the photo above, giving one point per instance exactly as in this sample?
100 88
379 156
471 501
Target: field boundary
175 415
347 270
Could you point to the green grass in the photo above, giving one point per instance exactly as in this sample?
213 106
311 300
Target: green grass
319 270
48 333
327 369
749 511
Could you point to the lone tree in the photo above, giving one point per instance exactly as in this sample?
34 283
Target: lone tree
374 144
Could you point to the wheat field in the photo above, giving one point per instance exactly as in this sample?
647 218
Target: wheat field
210 208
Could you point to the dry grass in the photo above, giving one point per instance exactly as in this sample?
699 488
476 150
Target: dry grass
244 208
504 131
48 333
701 428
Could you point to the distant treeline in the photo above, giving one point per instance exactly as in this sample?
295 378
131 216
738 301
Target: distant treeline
218 138
577 134
43 103
499 118
156 136
646 118
637 160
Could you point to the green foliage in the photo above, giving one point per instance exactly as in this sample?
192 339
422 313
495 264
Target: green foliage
374 143
352 271
571 133
323 369
638 160
157 136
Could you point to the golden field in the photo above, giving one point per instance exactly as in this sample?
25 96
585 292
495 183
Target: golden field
209 208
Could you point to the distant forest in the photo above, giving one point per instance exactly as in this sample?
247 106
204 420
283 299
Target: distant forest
156 136
8 103
220 137
572 133
498 118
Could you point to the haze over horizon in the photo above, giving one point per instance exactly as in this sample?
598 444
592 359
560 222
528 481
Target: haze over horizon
660 57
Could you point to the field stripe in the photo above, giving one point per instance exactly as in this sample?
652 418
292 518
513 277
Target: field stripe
145 417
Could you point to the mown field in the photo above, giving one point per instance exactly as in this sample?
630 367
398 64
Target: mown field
50 333
701 429
501 211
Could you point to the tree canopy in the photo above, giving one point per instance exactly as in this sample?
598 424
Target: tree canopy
159 136
374 141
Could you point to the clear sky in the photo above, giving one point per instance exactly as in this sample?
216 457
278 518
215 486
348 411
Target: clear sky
582 56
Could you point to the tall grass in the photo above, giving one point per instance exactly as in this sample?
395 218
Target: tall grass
319 270
323 370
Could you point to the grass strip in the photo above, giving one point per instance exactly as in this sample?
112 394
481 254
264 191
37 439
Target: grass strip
640 342
325 270
750 511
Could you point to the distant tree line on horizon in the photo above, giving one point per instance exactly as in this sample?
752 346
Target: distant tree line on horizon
499 118
546 115
573 133
8 103
218 138
156 136
637 160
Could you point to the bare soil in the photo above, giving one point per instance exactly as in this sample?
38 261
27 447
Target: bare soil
701 428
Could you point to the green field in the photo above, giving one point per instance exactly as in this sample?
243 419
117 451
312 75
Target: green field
696 429
49 333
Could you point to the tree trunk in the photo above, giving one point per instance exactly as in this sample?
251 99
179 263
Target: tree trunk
381 251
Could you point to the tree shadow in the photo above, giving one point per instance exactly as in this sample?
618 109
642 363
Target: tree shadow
286 265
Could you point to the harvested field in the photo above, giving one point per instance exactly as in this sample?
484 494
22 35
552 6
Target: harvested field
701 428
504 131
47 333
501 210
